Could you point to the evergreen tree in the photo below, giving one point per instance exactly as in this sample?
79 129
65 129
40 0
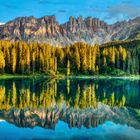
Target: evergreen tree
2 62
13 60
68 68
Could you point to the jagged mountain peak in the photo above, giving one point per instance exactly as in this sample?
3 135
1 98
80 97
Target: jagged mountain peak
47 29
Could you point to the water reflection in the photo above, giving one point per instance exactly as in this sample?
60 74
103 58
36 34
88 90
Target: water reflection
22 94
88 103
107 131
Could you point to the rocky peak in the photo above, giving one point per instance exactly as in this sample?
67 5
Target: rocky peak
71 24
80 19
47 29
89 22
49 19
80 24
49 25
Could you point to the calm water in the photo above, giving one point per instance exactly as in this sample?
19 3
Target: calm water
69 109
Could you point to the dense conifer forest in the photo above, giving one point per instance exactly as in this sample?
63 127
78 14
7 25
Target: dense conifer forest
114 58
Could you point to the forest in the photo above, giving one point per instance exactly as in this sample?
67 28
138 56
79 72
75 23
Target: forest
114 58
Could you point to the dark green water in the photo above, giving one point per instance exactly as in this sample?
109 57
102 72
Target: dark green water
69 109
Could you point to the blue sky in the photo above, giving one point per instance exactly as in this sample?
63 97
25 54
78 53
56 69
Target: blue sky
108 10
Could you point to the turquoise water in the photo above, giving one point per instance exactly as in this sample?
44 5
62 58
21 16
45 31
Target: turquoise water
69 109
107 131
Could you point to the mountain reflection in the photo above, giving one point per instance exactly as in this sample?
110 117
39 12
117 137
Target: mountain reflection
29 103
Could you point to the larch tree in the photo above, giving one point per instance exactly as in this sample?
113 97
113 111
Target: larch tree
68 68
41 62
13 60
27 61
2 62
7 60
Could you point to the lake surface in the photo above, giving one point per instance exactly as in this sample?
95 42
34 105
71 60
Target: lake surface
74 109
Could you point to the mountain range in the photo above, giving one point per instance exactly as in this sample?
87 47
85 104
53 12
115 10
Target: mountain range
48 30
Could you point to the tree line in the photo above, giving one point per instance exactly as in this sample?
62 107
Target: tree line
79 58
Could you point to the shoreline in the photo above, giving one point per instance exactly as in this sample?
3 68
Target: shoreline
18 76
132 77
38 76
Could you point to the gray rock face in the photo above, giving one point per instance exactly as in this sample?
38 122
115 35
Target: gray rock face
47 29
90 117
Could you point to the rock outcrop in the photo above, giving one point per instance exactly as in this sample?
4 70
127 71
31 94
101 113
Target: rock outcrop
47 29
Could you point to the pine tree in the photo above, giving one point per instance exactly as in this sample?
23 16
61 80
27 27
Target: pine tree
93 59
83 58
55 65
89 60
76 58
41 62
2 62
33 61
113 55
68 68
7 57
27 60
13 60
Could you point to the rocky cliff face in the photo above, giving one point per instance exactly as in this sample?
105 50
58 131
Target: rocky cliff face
47 29
48 118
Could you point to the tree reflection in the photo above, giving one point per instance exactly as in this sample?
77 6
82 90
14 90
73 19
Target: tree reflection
22 94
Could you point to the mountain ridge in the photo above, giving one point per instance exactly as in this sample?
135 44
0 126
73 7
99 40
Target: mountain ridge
89 30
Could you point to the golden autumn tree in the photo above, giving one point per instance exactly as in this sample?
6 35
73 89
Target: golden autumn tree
13 60
68 68
28 60
7 58
2 62
76 58
41 61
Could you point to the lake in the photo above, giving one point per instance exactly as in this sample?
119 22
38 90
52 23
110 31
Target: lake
74 109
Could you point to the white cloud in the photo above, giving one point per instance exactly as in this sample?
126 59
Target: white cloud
1 23
123 11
